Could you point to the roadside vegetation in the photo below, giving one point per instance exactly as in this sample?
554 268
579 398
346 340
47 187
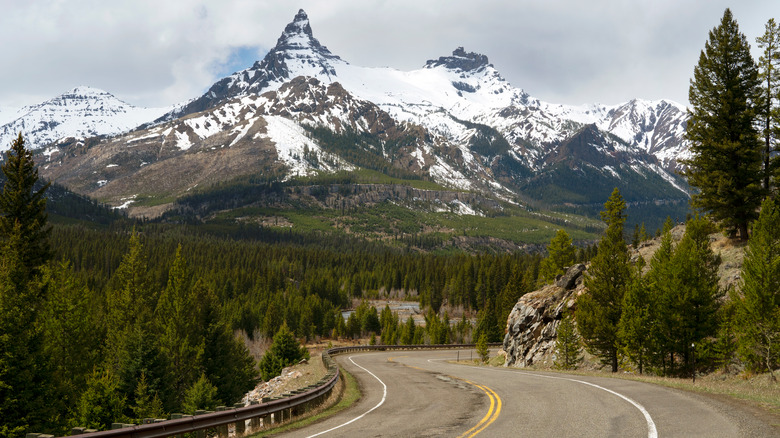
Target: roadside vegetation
103 319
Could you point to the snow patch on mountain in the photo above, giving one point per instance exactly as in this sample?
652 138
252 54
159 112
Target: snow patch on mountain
293 147
81 112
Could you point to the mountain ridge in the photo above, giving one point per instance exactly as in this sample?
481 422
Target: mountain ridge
303 111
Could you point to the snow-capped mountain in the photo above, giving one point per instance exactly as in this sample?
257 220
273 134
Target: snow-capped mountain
81 112
464 86
303 110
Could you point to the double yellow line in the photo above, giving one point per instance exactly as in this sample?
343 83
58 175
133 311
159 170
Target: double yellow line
490 417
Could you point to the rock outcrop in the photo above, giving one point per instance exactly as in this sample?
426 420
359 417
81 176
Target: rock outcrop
532 326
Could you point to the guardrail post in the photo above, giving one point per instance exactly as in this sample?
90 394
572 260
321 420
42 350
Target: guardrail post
202 432
241 424
255 422
77 430
222 431
176 416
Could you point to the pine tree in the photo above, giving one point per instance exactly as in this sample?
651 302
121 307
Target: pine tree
599 311
758 311
769 110
178 337
634 329
561 254
567 344
73 333
24 249
22 205
227 363
488 324
482 347
284 351
726 162
202 395
698 295
661 290
101 403
407 332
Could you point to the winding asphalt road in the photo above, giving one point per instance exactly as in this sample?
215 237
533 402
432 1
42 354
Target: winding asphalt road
420 394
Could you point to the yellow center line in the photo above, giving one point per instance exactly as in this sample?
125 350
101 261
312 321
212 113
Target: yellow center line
492 413
484 419
495 413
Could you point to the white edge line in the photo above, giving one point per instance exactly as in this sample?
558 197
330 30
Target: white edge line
652 432
381 402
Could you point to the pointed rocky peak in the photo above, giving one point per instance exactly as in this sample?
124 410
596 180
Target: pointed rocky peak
298 28
460 60
297 36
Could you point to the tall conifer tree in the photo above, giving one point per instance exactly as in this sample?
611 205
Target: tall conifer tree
21 203
599 311
769 110
24 249
561 254
758 310
726 162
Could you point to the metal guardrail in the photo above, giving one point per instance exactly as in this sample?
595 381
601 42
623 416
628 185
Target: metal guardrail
266 409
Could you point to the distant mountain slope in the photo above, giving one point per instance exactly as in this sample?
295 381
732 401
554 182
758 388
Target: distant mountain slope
303 112
81 112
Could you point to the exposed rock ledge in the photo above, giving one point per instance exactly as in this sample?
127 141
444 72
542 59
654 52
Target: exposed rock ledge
532 325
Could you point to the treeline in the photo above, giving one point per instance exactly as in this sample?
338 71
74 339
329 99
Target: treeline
668 316
364 150
261 284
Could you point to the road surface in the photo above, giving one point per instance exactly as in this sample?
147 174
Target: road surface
422 394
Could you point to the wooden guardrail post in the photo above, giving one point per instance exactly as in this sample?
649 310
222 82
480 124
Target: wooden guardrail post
240 424
222 431
256 422
202 432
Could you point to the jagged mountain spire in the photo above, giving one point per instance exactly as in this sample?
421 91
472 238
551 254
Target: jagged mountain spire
460 60
296 53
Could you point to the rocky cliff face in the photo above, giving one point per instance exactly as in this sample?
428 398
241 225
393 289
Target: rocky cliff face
532 326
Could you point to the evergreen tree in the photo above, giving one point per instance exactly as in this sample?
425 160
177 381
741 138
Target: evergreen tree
567 344
73 334
758 310
23 208
284 351
147 404
101 403
179 338
202 395
599 311
482 347
726 162
226 361
661 292
488 324
23 364
509 295
769 110
697 300
635 327
561 254
130 301
407 332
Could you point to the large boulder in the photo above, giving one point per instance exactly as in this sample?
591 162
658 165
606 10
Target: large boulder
532 325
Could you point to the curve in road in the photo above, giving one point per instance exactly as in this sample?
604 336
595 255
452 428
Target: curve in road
423 394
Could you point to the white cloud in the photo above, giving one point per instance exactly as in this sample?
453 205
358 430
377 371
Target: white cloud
155 53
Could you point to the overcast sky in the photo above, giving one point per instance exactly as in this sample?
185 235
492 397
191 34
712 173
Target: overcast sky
160 52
